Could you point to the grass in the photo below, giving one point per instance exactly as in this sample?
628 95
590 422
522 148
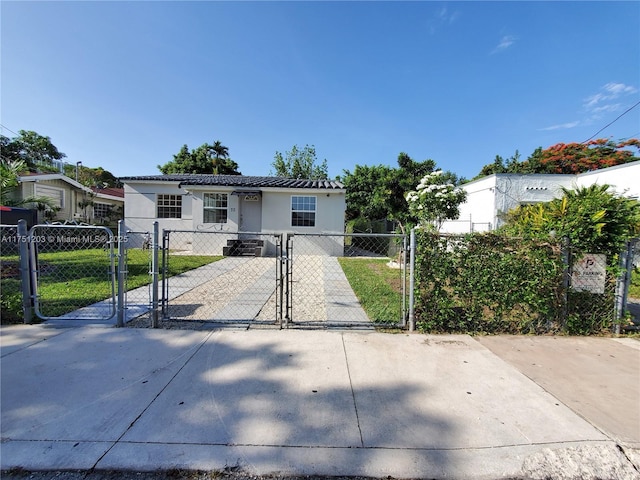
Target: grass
73 279
634 288
378 287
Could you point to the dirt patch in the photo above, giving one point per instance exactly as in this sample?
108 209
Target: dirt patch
382 270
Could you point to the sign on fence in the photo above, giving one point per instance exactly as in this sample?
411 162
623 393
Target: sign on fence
589 273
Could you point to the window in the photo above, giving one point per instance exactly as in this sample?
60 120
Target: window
169 206
55 194
215 207
101 210
303 211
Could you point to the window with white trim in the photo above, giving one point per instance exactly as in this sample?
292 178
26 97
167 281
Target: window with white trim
169 206
303 211
215 207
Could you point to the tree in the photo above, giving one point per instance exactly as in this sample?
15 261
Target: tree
568 158
594 219
9 173
221 153
377 193
435 200
208 159
35 150
300 164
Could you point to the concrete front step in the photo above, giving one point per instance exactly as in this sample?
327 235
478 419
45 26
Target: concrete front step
249 247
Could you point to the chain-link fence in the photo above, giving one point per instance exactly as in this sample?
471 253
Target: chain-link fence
10 274
73 270
220 277
353 280
137 248
472 283
495 284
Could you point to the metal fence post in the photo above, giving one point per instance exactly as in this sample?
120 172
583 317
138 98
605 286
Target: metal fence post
165 286
25 274
405 313
154 276
121 307
412 264
566 279
622 284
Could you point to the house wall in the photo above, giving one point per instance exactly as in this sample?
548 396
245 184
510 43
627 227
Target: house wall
624 179
490 198
330 208
140 214
140 211
69 198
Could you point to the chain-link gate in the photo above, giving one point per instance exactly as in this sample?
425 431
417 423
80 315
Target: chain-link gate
73 272
221 277
137 282
346 280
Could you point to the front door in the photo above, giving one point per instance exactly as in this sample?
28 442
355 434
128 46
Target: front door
250 213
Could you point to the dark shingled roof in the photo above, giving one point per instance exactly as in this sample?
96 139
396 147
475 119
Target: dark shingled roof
237 181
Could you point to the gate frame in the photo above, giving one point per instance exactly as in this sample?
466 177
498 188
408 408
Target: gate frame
406 269
161 279
34 270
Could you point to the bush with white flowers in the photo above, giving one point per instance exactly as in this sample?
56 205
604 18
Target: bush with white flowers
434 200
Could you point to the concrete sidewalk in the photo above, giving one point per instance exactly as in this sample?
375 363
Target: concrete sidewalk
293 402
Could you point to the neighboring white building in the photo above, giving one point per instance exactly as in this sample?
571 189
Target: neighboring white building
490 197
235 204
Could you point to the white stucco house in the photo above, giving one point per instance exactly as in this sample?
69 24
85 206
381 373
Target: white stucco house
240 206
488 198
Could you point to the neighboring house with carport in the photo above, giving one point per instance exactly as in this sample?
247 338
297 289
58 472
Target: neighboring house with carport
490 197
243 207
72 201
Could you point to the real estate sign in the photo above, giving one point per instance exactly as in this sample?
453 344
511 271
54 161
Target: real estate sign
589 273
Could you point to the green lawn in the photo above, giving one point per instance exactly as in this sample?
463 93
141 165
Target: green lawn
73 279
378 287
634 288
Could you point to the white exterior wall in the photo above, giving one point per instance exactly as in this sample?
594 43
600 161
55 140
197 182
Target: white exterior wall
477 214
140 214
140 209
624 179
514 190
489 198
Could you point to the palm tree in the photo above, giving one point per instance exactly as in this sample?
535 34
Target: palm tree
220 152
10 170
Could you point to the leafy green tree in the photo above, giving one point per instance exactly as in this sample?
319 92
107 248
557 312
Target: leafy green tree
367 192
92 176
300 163
34 149
378 192
208 159
594 219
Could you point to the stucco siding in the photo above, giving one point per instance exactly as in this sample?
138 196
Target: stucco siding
624 179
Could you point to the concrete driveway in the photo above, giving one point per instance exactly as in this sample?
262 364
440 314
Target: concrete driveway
308 403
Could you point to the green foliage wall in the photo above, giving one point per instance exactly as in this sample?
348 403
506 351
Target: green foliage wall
488 283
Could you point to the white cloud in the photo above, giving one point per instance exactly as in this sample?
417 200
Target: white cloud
562 126
598 101
505 43
443 17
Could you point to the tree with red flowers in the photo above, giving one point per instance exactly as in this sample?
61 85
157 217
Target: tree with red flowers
571 158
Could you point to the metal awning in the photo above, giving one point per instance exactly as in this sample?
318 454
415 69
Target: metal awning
246 192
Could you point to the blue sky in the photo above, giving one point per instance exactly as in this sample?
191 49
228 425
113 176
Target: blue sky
124 85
